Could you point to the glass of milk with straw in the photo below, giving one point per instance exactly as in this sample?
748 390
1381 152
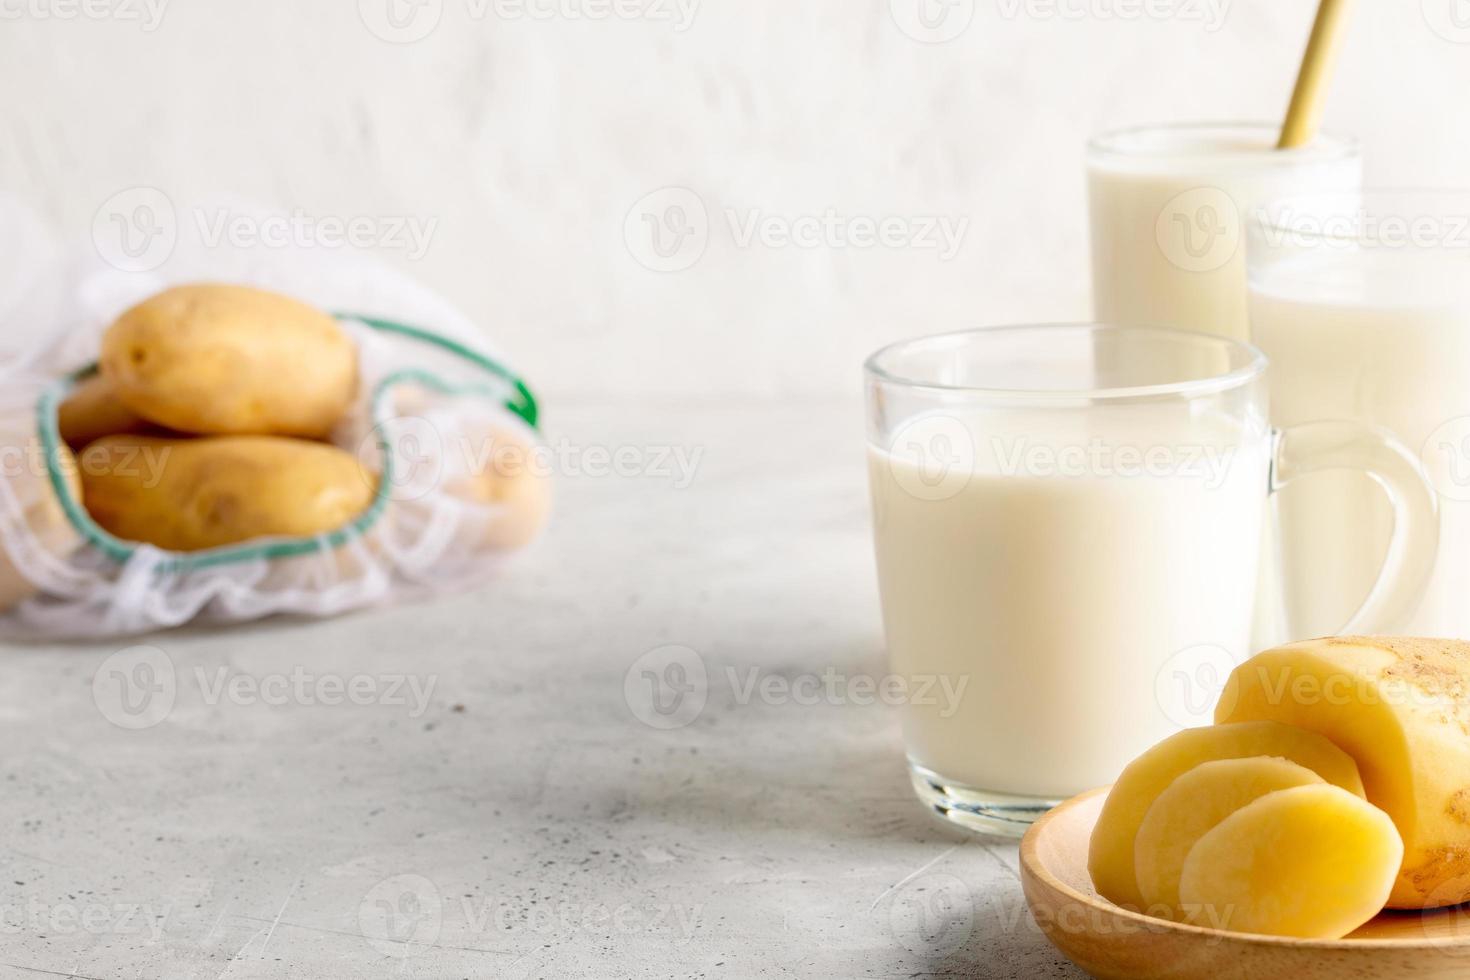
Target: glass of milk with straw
1169 210
1169 207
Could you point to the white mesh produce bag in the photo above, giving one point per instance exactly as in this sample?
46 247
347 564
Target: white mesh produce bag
434 414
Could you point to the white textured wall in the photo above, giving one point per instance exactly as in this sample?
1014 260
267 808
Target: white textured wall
526 141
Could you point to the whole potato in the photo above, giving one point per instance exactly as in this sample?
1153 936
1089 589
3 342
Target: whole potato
231 360
30 483
498 467
92 411
507 477
193 494
1400 706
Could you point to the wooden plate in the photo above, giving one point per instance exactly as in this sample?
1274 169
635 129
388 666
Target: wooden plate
1114 944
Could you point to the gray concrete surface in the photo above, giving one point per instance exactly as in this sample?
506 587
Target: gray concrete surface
498 795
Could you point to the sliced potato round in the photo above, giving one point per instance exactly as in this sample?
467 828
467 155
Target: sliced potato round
1110 858
1191 806
1313 862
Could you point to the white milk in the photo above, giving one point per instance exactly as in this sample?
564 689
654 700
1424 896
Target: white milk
1062 597
1379 336
1168 207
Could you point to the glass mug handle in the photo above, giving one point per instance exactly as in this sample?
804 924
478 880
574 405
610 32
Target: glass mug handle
1314 446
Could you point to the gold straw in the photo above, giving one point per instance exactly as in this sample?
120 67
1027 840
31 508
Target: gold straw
1305 114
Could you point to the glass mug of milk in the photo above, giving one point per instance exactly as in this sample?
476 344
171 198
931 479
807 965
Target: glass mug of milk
1067 524
1169 207
1364 311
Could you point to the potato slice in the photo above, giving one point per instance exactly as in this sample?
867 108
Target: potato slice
1191 806
1314 862
1401 708
1110 858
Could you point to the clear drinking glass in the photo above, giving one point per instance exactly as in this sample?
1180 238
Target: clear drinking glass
1364 309
1169 206
1067 523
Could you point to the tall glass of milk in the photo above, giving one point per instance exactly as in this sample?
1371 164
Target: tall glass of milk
1169 206
1364 310
1067 525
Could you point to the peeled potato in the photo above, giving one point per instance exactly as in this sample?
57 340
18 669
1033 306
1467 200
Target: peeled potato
192 494
1401 708
1192 806
92 411
1314 862
1111 859
231 360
